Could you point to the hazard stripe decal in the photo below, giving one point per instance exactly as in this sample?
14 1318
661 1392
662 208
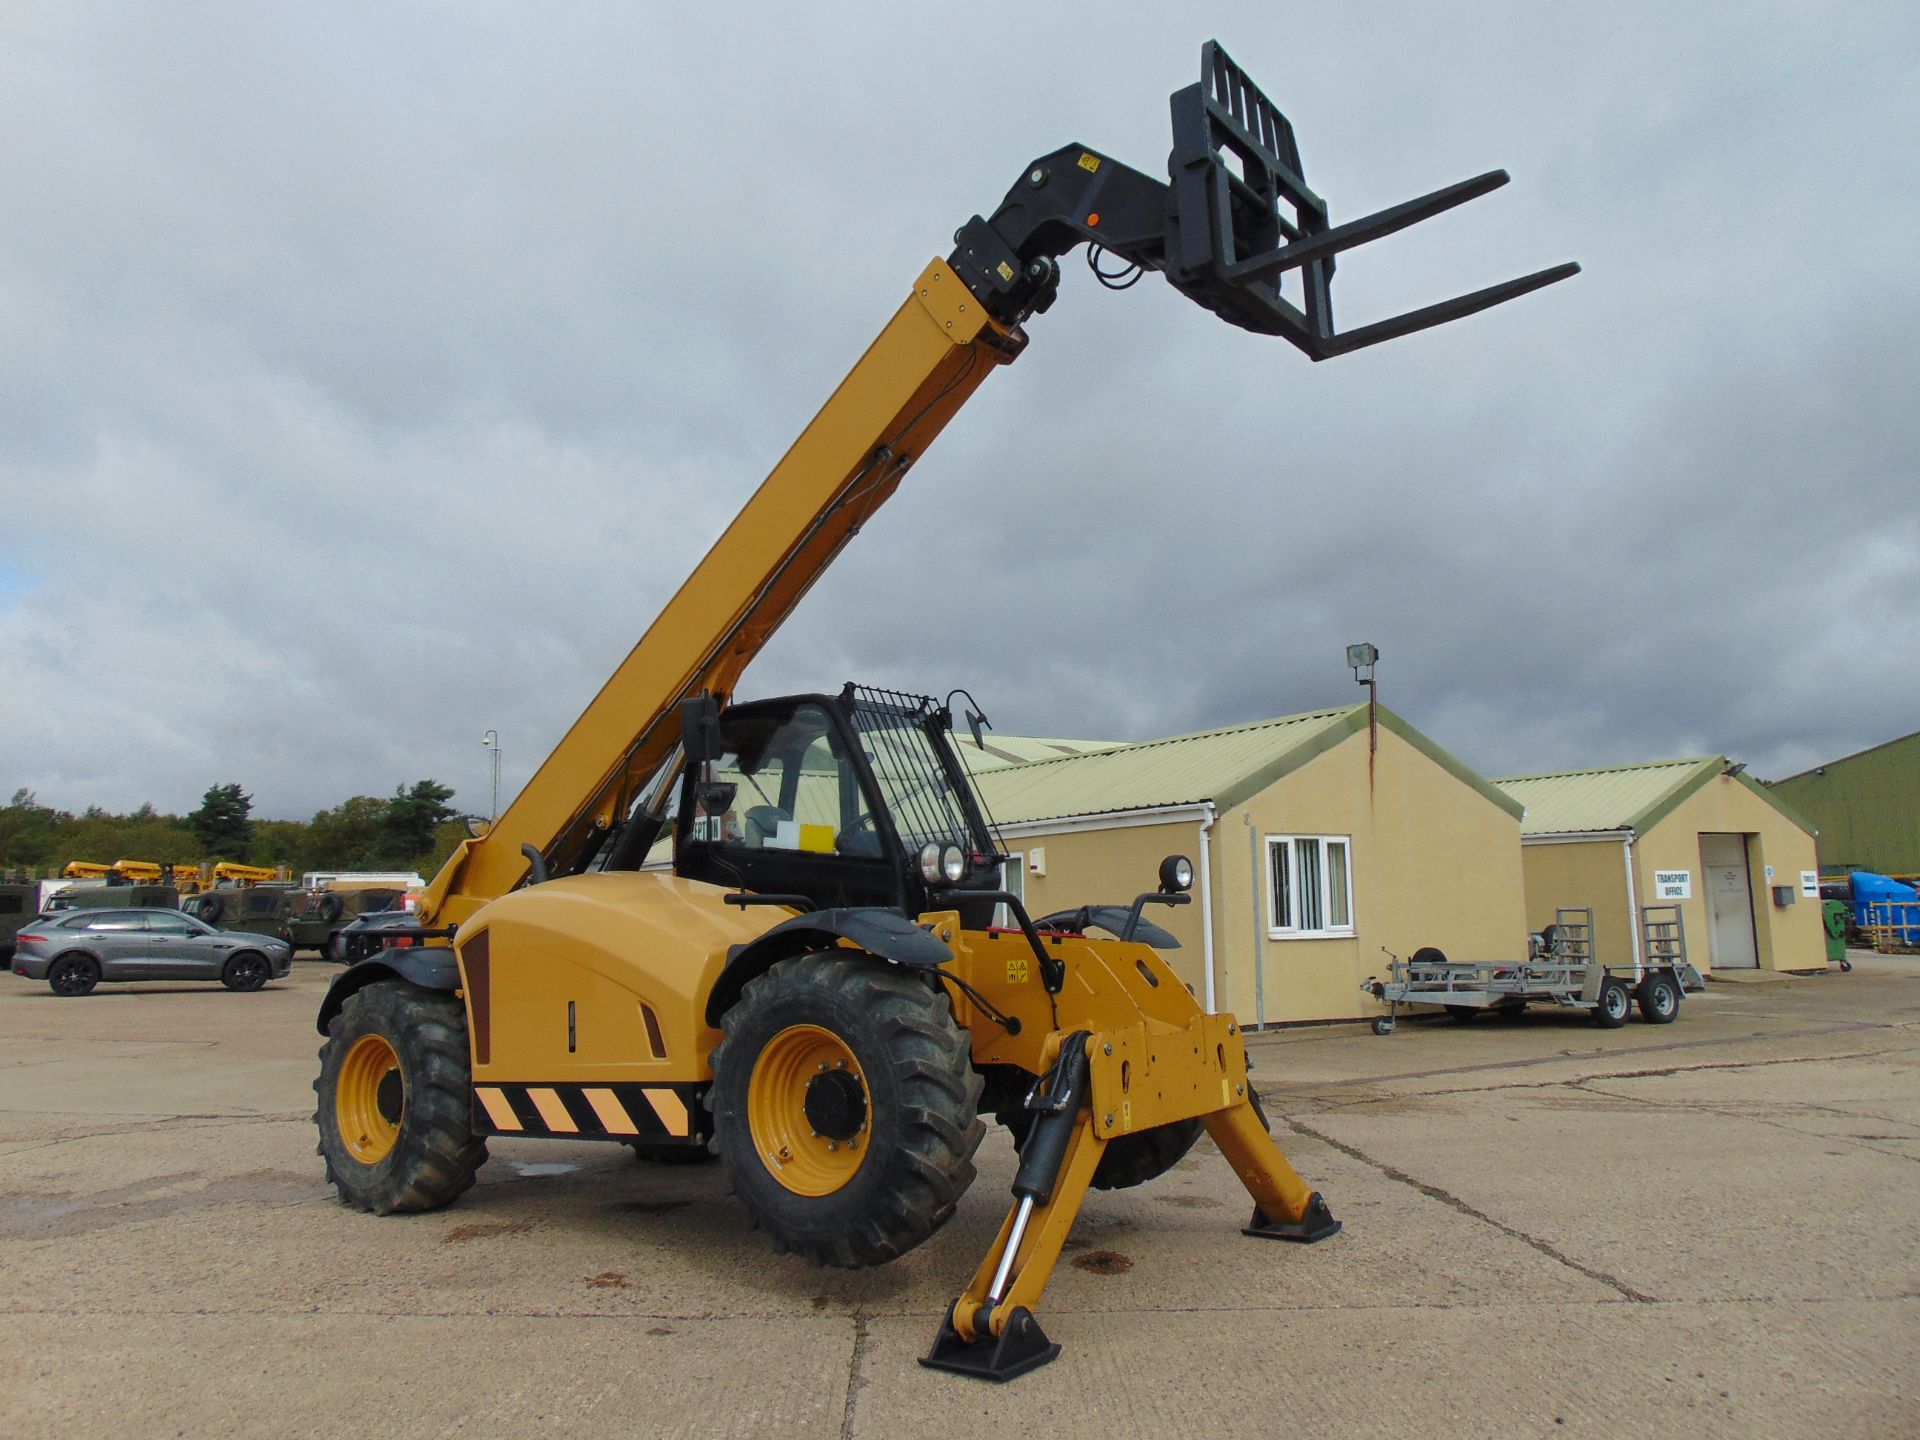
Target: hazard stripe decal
617 1112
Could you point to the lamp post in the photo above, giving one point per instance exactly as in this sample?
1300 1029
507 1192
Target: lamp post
492 741
1364 657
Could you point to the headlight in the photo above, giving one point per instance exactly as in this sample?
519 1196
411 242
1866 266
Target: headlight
942 865
1176 874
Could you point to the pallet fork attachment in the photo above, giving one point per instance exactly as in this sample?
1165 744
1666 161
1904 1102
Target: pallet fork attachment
990 1332
1234 220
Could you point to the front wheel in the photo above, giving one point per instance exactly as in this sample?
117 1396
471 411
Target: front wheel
1614 1006
245 971
394 1090
845 1107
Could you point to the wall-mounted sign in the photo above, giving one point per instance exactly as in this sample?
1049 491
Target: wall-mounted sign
1810 884
1673 884
1769 874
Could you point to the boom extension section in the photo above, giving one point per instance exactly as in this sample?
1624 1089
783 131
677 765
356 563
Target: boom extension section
1234 220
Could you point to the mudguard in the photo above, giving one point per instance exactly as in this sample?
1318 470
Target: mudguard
887 934
431 967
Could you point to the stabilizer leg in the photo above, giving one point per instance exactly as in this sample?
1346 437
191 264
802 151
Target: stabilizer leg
990 1332
1283 1207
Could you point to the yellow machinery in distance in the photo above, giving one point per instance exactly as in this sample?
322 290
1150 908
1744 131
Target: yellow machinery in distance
817 993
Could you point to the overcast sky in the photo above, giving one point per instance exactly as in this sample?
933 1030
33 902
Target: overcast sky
372 374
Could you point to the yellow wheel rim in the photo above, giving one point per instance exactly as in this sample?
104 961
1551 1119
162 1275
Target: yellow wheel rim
807 1110
369 1099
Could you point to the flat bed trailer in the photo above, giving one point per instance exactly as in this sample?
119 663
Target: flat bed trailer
1561 971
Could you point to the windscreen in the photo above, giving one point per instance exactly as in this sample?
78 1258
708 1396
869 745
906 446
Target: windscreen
909 765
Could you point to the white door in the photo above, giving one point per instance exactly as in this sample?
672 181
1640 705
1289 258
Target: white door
1730 942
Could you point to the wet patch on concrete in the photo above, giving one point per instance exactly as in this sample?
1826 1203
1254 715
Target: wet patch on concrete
62 1213
1189 1202
485 1230
608 1280
1103 1262
652 1207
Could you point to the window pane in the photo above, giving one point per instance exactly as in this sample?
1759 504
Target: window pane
1280 860
1311 914
1339 911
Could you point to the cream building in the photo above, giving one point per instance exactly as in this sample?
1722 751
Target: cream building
1698 834
1319 843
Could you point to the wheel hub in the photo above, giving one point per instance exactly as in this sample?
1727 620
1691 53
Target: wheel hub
807 1110
370 1099
836 1105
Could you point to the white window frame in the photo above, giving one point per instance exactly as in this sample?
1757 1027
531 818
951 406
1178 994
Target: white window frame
1286 927
1013 878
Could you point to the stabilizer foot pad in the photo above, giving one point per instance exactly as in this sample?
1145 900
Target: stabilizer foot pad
1021 1347
1317 1224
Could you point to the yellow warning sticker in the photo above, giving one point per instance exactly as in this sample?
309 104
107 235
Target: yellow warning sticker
1017 970
1088 162
1006 271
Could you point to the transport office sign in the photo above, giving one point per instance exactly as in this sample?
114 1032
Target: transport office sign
1673 884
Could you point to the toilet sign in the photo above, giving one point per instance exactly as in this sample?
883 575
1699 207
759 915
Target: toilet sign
1673 884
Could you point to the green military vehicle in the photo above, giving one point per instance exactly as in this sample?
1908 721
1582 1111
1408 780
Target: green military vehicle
328 912
305 919
113 897
18 904
257 909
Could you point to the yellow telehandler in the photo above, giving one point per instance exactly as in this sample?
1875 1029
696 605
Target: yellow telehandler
817 993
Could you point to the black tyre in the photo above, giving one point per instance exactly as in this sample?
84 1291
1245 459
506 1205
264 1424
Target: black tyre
1616 1004
1465 1014
1659 999
1128 1160
73 975
845 1107
1383 1026
246 971
394 1096
653 1153
212 907
1428 955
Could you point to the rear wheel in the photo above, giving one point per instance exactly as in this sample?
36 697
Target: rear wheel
1659 999
394 1091
245 971
73 975
1465 1014
652 1152
845 1107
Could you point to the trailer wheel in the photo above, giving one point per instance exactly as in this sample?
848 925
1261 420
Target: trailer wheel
1659 999
1383 1026
395 1111
845 1108
1465 1014
1614 1006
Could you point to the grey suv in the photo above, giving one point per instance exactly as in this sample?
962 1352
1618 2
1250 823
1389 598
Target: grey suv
77 950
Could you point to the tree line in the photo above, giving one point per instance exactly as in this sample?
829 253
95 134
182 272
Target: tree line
413 829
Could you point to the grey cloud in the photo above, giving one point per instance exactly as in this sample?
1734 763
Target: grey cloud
378 373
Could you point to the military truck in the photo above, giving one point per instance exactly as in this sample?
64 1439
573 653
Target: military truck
257 909
19 903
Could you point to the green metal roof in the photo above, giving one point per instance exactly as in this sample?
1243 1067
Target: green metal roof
1618 797
1227 766
999 751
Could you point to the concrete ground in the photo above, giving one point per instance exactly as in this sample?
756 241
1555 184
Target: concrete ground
1707 1229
